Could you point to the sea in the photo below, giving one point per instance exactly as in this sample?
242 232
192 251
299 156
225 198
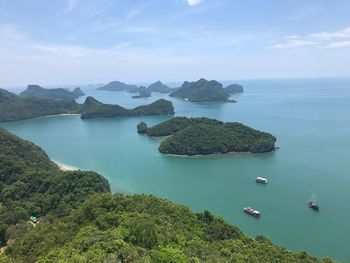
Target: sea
309 117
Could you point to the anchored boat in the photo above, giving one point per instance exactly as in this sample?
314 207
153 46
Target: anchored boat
261 180
312 203
251 211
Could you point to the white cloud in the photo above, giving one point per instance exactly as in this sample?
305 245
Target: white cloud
194 2
336 39
339 44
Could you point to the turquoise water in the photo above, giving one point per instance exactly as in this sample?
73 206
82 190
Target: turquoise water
309 117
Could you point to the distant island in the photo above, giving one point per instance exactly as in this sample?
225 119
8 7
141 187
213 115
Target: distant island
159 87
233 88
92 108
14 107
203 136
143 93
37 91
118 86
201 91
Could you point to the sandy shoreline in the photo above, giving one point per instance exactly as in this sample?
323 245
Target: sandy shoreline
63 114
65 167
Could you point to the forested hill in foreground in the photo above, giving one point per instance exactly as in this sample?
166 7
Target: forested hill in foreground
14 107
201 136
79 224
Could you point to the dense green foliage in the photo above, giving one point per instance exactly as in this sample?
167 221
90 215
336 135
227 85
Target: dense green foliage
30 184
141 228
159 87
106 227
233 88
63 94
118 86
14 107
201 91
142 127
194 136
95 109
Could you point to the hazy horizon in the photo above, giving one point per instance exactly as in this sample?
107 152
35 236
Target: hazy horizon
74 41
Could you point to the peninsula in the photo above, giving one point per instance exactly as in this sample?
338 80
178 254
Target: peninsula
36 91
14 107
77 218
203 136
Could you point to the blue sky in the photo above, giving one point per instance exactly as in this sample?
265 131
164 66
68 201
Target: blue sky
86 41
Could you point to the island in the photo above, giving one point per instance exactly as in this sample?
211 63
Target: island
92 108
119 86
80 220
36 91
143 93
14 107
233 88
201 91
158 86
203 136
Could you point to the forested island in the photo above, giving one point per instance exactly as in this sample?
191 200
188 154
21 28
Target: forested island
143 93
118 86
233 88
38 92
92 108
158 86
14 107
201 91
203 136
80 220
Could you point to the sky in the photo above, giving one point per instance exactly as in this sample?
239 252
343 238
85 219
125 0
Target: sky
52 42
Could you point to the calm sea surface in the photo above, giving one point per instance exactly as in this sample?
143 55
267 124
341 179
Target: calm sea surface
311 120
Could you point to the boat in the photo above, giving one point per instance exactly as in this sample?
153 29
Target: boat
251 211
261 180
312 203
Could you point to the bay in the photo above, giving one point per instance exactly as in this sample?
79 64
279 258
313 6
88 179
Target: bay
309 117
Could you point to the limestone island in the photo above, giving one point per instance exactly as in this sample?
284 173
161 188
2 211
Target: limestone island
233 88
204 91
159 87
92 108
118 86
14 107
203 136
143 93
36 91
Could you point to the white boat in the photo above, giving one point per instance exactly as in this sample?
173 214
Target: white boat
261 180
